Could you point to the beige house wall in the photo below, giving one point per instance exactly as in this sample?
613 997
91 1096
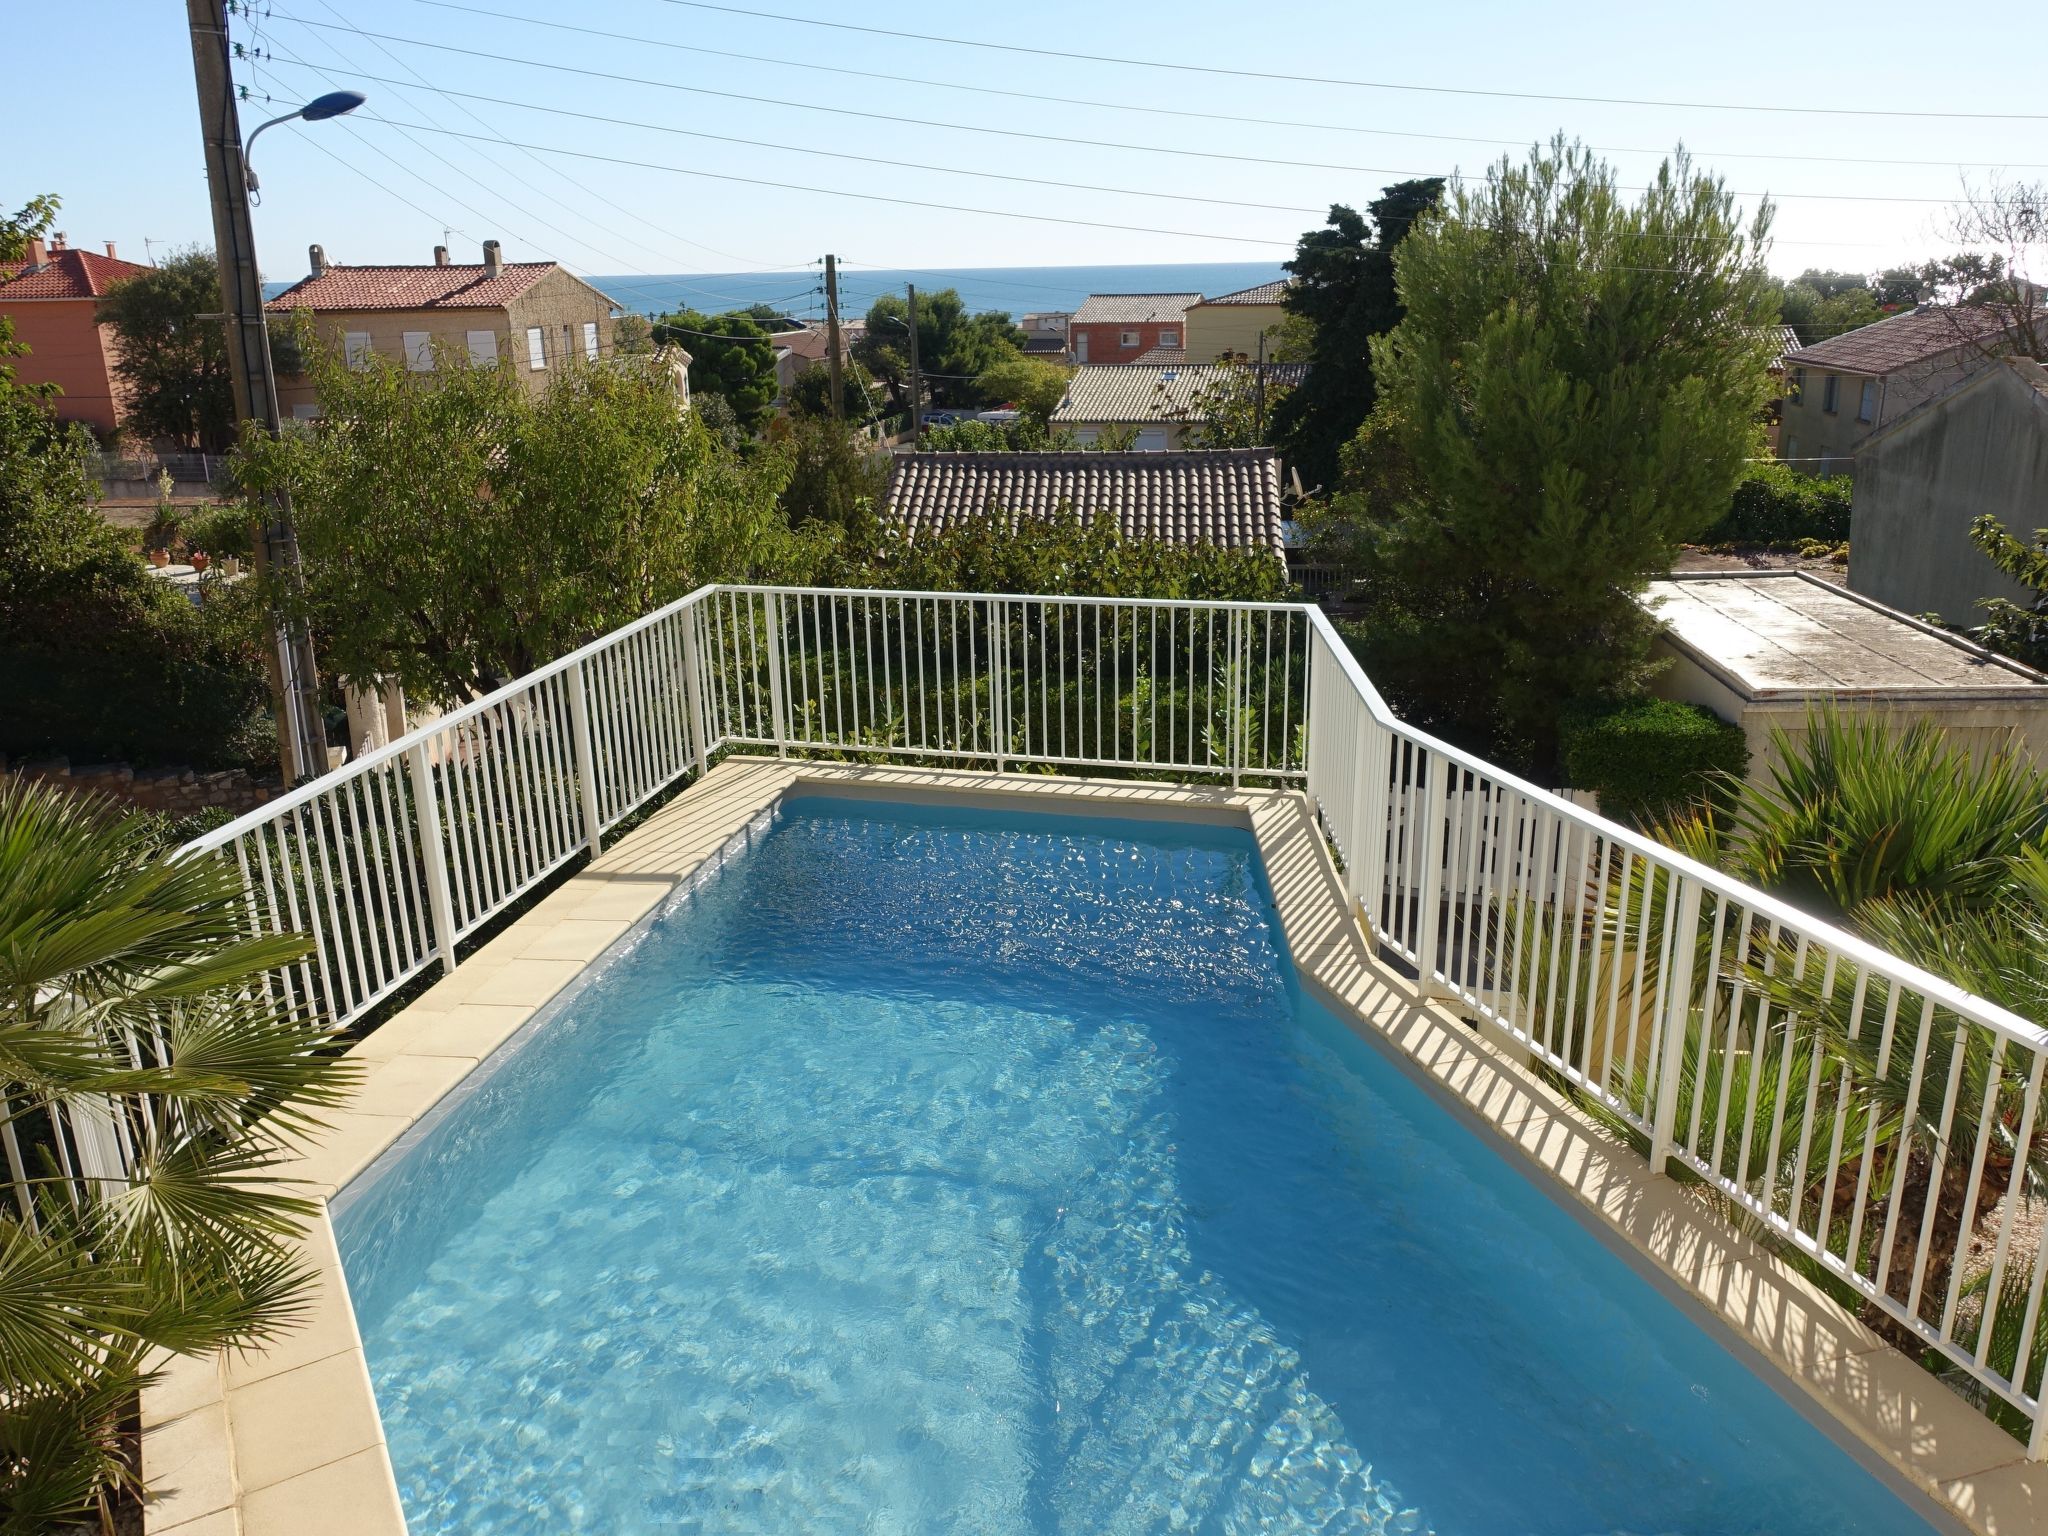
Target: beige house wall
1086 432
559 304
1807 430
1214 329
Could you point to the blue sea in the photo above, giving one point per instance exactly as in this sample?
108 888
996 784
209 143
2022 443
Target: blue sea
929 1170
1012 290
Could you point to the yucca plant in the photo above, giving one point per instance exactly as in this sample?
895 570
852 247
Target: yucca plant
150 1074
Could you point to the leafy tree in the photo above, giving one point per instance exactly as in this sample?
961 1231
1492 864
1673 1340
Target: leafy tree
458 531
811 393
633 335
174 364
1344 290
33 218
1570 394
835 472
730 356
1237 410
1024 435
2018 630
1031 384
2002 227
1818 305
140 983
954 348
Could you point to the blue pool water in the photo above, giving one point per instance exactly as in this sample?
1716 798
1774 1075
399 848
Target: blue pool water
945 1172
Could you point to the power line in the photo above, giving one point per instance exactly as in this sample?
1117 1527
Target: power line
1017 133
895 162
1182 112
1068 54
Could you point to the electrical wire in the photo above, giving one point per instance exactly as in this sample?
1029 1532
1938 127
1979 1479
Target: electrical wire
1207 115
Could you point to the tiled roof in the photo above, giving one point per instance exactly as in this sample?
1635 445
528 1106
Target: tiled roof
812 345
1047 344
1133 308
67 274
1894 343
1161 356
1152 391
416 287
1264 293
1783 337
1226 496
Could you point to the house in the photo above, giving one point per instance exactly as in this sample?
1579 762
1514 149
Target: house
1764 649
1226 496
1979 447
800 350
1232 324
1161 400
53 300
1839 391
1116 327
534 315
1045 333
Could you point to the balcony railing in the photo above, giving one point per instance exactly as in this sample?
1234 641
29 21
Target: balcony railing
1824 1087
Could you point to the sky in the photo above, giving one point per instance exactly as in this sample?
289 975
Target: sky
104 115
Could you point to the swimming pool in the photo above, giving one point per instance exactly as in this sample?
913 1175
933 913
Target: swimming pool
944 1171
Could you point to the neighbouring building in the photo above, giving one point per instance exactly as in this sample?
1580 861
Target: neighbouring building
1045 333
1921 480
1839 391
1118 327
1161 400
533 314
799 350
1232 323
1224 496
53 299
1764 649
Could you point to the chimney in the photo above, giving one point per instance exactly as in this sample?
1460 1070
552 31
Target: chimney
440 255
57 241
38 253
316 258
111 253
494 259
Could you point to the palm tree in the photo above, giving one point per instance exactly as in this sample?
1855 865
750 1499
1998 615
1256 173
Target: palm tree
150 1074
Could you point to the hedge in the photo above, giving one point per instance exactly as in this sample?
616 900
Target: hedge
1651 757
1775 504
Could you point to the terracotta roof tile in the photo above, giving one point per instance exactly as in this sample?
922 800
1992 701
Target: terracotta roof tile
412 287
1894 343
1133 308
67 274
1264 293
1147 391
1226 496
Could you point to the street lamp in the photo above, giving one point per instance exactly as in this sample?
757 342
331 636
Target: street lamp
298 676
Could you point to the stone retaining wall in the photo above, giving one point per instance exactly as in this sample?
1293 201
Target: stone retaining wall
178 791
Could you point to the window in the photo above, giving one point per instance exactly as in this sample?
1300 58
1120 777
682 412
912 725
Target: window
1866 408
1151 440
483 348
1797 394
536 348
419 352
358 349
1129 339
1080 346
590 340
1169 338
1827 459
1790 452
1830 395
306 412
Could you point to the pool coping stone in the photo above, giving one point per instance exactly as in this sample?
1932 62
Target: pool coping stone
286 1441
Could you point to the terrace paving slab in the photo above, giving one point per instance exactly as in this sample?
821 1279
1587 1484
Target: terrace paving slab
276 1477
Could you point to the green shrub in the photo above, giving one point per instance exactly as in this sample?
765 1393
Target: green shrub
1651 757
1775 504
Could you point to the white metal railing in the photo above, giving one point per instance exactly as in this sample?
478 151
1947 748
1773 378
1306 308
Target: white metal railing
1863 1111
1655 985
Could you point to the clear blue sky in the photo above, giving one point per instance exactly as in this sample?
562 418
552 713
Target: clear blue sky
102 112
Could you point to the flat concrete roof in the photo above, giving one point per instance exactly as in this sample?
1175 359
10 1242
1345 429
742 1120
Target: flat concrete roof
1778 632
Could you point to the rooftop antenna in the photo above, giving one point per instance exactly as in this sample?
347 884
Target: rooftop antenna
149 248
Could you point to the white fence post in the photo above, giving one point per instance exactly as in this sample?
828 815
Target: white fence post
586 760
1428 927
1240 695
1677 1015
1369 817
693 693
999 676
433 855
778 707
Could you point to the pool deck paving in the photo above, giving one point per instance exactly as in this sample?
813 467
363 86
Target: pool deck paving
287 1441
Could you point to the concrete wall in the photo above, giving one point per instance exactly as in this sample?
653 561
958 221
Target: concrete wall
1983 725
558 304
69 349
1919 488
1214 329
1807 429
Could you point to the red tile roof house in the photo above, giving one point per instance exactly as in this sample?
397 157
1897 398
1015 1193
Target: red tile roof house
1118 327
534 314
53 300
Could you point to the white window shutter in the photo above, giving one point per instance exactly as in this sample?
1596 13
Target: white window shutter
536 348
358 349
590 340
419 351
483 348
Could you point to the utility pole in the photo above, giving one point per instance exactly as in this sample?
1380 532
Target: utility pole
294 684
1259 396
832 337
916 378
